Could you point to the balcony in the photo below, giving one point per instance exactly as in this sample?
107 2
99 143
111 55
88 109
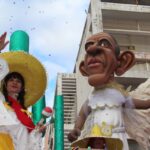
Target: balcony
134 2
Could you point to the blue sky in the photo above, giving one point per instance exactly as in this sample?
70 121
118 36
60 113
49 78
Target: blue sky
54 27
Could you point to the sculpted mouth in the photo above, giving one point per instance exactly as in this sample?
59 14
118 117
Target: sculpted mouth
95 63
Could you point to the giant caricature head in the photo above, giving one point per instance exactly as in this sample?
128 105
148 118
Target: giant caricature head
103 59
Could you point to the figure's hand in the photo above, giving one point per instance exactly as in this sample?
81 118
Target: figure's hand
3 43
74 134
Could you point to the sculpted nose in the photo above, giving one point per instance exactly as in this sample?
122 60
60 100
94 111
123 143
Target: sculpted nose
92 50
92 47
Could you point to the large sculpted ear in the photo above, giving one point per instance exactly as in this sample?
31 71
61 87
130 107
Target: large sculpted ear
82 69
125 61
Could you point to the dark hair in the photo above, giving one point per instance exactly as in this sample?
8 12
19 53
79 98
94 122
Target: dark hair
21 94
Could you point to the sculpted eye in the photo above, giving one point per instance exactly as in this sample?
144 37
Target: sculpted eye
88 44
104 43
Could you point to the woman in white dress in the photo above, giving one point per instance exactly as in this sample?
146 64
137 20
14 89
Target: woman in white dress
20 90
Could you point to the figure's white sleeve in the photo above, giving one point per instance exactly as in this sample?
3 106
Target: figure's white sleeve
5 117
4 69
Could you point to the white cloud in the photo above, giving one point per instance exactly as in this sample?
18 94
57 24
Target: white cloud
52 69
53 26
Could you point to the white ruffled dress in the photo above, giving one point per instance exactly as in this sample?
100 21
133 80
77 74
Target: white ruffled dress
107 109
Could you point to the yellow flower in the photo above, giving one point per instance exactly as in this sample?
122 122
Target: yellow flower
106 129
96 131
103 130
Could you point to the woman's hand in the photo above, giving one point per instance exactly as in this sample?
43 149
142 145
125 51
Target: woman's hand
41 128
2 41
